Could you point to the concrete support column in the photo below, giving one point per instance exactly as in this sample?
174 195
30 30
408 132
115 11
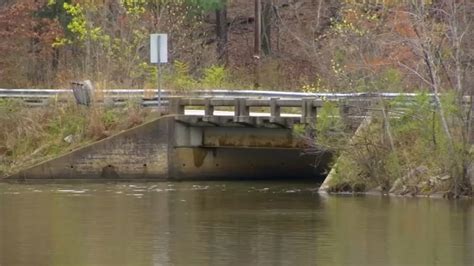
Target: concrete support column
241 111
275 112
176 108
308 111
209 111
241 108
344 109
308 116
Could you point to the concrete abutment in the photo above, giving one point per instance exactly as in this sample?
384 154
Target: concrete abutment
168 149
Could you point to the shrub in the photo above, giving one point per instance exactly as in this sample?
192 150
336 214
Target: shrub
214 77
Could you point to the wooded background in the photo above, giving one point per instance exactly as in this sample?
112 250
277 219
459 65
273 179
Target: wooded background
311 45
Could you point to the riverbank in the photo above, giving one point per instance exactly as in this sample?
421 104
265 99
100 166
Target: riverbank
403 150
32 135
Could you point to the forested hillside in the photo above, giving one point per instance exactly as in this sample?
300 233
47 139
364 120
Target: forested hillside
315 45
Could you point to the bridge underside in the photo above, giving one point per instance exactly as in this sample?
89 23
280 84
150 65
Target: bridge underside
254 148
245 163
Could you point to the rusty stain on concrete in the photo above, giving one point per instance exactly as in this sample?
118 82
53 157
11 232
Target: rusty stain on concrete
199 155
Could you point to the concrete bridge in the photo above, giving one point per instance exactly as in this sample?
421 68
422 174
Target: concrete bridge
204 143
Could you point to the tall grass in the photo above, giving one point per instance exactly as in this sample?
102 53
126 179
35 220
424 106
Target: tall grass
30 135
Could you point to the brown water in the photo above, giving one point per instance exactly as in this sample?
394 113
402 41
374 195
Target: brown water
227 223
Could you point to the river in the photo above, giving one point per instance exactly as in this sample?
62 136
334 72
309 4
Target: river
227 223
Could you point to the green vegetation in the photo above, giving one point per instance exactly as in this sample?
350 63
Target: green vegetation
213 77
406 152
31 135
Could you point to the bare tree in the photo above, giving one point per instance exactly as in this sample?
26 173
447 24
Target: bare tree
442 51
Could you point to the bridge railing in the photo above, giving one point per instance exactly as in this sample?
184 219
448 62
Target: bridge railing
307 107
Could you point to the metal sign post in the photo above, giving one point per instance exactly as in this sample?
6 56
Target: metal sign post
158 56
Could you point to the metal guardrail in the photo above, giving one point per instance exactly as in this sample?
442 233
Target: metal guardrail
39 96
47 93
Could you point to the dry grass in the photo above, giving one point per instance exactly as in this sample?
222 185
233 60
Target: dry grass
32 135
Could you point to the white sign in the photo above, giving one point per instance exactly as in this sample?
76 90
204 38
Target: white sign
158 48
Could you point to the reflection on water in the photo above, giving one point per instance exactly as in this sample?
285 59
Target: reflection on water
222 223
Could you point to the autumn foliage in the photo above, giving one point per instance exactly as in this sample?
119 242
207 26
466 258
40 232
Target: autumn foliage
26 45
321 44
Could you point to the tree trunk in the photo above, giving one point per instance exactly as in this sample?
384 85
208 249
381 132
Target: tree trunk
221 34
258 42
258 28
267 19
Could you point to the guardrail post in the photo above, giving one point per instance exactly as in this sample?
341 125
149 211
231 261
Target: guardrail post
308 111
209 108
274 108
176 108
236 108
